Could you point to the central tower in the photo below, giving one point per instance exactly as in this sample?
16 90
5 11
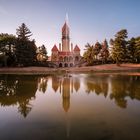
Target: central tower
65 38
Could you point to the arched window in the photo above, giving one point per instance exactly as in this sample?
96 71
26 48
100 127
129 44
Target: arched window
70 58
60 65
71 64
66 65
61 58
76 58
66 59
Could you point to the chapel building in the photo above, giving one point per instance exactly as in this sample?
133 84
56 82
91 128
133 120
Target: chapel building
66 55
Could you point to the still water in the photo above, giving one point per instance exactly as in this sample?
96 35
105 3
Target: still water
74 107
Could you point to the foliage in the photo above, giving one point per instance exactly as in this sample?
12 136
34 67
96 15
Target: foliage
7 49
42 53
118 52
137 50
89 54
25 49
97 53
25 52
131 50
97 49
23 32
104 53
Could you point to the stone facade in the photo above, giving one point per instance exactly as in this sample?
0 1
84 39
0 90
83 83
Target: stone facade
66 55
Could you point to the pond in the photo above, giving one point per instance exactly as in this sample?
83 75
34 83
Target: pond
73 107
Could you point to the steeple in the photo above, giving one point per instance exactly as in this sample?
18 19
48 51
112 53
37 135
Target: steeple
65 30
65 36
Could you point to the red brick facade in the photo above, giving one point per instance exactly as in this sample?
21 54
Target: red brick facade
65 56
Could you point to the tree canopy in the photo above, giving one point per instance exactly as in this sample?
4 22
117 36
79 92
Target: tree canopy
119 44
23 32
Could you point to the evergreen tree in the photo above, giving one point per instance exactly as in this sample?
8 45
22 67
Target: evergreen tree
25 49
131 50
137 50
97 49
23 32
119 49
104 53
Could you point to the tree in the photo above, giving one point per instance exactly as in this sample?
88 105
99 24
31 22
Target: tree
89 54
25 52
23 32
42 53
104 53
97 49
25 48
131 50
119 49
7 48
137 50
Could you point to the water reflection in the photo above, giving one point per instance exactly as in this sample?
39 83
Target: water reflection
18 91
21 90
66 86
123 87
118 88
97 84
42 84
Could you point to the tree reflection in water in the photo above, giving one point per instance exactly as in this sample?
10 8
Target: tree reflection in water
121 87
21 90
18 91
42 84
97 84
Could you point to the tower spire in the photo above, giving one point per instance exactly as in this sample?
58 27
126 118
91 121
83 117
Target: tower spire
67 18
65 36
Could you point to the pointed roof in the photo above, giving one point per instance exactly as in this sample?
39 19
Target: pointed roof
55 49
76 48
65 28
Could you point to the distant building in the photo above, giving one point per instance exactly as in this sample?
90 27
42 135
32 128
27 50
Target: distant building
65 55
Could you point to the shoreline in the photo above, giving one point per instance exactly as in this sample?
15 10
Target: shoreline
107 68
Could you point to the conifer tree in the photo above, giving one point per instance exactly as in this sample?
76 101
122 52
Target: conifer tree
25 48
104 53
23 32
137 50
119 50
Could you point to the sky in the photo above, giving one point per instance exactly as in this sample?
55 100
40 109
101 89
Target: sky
89 20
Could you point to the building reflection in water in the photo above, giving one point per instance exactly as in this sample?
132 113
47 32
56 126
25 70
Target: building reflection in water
115 87
66 86
55 83
20 90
